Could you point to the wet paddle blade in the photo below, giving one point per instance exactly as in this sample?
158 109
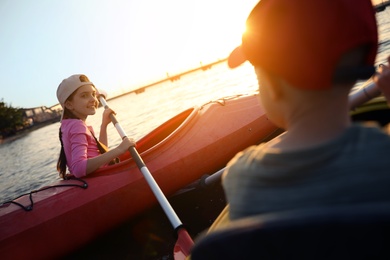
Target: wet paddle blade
183 245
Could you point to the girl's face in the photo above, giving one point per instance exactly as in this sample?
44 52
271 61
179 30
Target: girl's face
84 102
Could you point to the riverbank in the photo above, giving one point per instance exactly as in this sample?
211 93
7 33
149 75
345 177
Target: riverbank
26 131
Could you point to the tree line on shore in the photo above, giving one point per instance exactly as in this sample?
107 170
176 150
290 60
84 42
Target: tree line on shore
11 119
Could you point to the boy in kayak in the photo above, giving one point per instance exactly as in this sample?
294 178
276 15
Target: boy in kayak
307 56
80 149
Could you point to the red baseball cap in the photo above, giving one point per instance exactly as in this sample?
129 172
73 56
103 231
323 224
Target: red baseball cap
303 40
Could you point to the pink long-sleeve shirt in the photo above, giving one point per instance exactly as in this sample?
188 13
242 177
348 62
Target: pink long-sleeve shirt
79 145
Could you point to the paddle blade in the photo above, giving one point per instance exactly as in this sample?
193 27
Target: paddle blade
183 245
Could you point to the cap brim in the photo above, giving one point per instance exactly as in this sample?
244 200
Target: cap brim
62 114
101 92
236 58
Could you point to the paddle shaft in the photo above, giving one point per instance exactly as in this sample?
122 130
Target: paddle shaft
173 218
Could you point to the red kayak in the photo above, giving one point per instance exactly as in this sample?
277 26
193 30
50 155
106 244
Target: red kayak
198 141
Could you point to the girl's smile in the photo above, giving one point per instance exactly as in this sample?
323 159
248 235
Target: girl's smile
84 102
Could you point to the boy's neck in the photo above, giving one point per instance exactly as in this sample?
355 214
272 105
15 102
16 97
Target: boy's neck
314 128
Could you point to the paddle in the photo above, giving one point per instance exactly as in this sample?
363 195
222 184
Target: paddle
184 241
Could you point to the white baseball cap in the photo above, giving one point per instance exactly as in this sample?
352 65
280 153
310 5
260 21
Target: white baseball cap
70 85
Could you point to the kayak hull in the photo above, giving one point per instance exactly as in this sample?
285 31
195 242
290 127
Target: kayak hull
198 141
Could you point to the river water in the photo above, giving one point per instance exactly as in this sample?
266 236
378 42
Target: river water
30 161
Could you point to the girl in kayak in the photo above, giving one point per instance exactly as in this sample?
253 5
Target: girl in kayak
80 151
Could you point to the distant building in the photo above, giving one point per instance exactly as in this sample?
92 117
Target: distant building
42 114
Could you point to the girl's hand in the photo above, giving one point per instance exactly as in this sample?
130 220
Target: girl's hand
106 116
382 79
126 144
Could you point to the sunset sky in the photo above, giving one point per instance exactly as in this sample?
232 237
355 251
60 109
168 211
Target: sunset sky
119 44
